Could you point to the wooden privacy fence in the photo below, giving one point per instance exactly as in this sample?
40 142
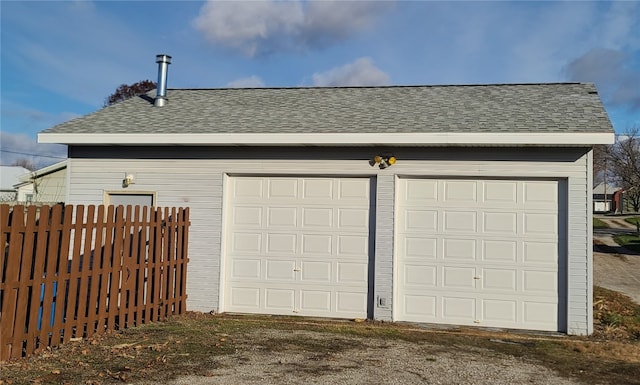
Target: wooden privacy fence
111 268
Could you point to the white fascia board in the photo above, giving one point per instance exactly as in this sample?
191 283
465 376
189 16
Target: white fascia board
333 139
43 171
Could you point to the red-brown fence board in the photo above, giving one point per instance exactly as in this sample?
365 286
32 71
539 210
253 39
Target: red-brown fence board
67 276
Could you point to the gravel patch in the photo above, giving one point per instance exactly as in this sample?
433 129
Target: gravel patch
268 357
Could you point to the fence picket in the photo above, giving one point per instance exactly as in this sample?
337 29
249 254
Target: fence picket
66 275
62 228
25 286
10 305
93 304
143 266
86 265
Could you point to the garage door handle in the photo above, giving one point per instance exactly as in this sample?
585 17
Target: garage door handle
297 269
477 277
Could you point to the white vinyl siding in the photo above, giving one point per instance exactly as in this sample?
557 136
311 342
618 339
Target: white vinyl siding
194 177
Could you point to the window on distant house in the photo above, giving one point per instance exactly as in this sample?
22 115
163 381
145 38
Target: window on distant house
28 198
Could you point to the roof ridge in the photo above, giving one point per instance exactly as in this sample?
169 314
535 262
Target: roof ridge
384 86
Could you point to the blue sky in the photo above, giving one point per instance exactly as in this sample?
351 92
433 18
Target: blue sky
61 59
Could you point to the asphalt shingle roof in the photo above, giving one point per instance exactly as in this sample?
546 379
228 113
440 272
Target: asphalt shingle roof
526 108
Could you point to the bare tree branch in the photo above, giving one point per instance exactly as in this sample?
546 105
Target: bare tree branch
624 160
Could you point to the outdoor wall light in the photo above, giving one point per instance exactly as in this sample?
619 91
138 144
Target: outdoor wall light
383 161
128 179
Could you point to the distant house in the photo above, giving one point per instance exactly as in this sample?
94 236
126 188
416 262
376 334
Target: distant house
46 185
623 201
460 204
603 198
9 176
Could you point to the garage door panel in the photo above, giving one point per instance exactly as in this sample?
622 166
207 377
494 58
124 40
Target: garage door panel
313 301
317 245
279 217
539 282
421 248
487 255
504 223
351 302
247 188
420 192
499 280
460 308
353 246
316 271
286 188
353 190
500 193
320 218
540 194
499 251
317 188
280 270
246 269
460 191
279 299
458 277
278 243
297 245
353 218
420 275
351 273
545 253
499 312
245 298
541 224
419 220
246 243
460 221
459 249
419 307
542 314
248 216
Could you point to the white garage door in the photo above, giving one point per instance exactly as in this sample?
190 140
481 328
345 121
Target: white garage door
297 246
479 252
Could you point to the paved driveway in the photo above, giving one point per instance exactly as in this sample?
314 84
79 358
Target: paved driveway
615 267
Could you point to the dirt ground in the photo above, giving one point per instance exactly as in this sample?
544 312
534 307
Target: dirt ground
372 361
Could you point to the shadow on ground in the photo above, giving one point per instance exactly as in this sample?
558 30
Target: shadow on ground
602 248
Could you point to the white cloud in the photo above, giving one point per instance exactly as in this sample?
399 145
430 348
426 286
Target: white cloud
19 146
248 82
361 72
263 27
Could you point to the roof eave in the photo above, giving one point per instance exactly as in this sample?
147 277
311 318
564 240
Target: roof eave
333 139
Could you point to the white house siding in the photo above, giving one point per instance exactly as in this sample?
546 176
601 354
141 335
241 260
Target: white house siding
52 187
194 177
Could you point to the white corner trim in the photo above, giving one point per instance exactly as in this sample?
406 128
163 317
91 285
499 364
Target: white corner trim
332 139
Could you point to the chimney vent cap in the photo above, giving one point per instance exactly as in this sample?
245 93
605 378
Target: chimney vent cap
163 58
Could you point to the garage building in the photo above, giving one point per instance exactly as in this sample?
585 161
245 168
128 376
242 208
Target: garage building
462 205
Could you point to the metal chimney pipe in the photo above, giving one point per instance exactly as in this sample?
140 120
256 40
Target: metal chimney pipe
161 91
